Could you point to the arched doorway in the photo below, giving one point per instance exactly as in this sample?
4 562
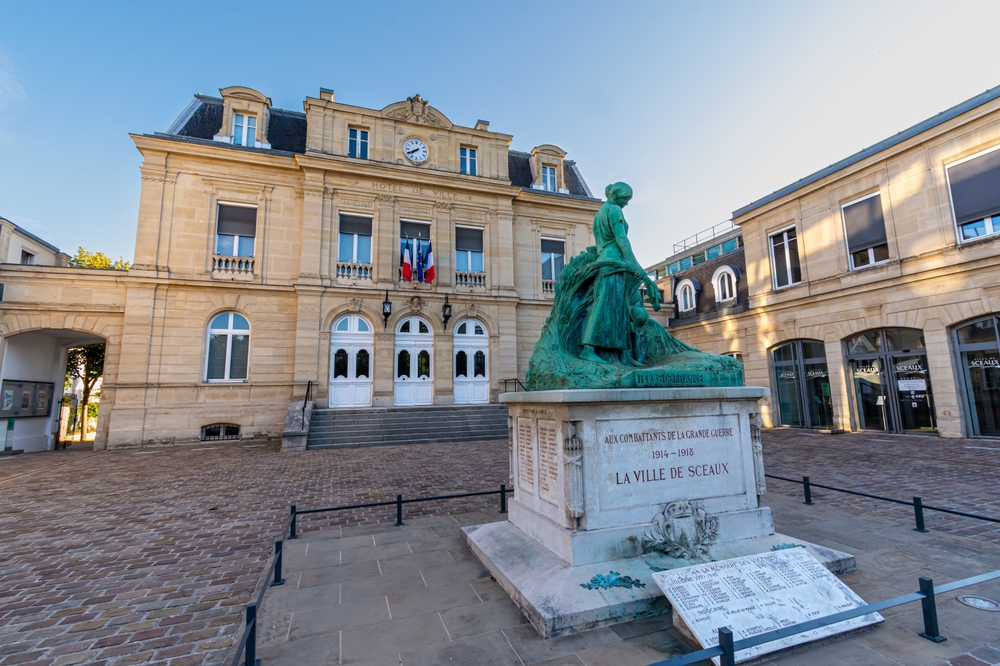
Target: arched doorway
802 381
351 362
979 363
472 348
892 385
414 371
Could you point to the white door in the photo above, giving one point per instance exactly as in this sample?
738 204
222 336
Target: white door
472 348
414 383
351 362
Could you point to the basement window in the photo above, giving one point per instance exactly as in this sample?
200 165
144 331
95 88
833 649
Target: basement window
217 431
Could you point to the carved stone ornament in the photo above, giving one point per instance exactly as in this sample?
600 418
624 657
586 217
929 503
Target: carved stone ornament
473 309
682 530
416 304
574 471
758 454
510 451
355 305
416 110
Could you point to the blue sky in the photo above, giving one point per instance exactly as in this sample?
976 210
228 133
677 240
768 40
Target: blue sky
701 106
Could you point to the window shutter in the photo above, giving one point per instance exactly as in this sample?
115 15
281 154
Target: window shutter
237 221
355 225
554 246
469 239
865 225
975 187
414 230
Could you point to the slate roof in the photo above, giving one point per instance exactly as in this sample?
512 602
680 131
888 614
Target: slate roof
519 172
202 119
32 236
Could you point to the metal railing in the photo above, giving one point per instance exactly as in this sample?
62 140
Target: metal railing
918 505
728 647
305 401
248 641
516 382
713 231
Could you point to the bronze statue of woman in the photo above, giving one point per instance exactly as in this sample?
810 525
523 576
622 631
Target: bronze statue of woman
609 322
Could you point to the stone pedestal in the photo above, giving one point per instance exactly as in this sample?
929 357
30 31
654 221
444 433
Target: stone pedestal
630 481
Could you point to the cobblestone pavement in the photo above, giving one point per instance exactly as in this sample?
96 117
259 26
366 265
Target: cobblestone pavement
960 474
149 556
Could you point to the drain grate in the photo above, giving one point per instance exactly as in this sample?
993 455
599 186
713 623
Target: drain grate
980 603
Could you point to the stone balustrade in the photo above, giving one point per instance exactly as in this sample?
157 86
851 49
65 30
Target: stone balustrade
470 280
549 287
353 273
236 268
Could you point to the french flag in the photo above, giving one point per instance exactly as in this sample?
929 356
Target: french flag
429 269
407 266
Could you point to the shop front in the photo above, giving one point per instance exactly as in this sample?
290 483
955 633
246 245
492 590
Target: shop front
891 382
802 380
979 366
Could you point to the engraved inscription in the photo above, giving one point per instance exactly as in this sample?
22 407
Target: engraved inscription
759 593
548 460
526 455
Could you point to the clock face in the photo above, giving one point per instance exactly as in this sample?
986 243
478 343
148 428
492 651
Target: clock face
415 150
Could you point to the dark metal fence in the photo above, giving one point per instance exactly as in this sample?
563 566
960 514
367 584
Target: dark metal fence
515 382
248 641
918 505
728 647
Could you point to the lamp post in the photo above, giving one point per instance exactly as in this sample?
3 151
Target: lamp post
386 311
446 311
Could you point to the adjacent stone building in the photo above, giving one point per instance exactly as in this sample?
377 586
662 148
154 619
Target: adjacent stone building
375 257
872 286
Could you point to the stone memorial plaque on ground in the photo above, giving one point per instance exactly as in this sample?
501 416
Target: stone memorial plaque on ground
759 593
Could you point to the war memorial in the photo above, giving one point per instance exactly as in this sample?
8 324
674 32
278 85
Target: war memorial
638 476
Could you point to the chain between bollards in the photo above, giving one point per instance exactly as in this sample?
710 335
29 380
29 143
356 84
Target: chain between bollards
807 490
918 514
278 580
503 498
292 534
399 510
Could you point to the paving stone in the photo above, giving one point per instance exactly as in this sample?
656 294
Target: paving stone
427 600
490 649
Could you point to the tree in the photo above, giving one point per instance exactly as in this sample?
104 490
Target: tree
86 363
86 259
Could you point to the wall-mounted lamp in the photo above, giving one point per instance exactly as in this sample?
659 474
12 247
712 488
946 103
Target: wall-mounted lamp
446 311
386 311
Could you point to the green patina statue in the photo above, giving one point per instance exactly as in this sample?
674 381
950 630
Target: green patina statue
599 334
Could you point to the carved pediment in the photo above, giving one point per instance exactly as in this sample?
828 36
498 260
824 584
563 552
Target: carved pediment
416 110
242 92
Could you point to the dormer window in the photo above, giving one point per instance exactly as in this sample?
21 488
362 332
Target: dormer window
467 158
244 130
549 179
357 143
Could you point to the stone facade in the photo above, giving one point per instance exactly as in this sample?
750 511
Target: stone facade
302 174
934 280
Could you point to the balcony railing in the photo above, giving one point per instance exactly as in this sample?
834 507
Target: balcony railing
548 287
414 283
352 273
714 231
470 280
235 268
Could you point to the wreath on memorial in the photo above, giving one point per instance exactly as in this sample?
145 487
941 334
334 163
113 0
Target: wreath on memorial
668 537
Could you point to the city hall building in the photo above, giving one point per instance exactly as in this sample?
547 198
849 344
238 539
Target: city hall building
387 257
866 295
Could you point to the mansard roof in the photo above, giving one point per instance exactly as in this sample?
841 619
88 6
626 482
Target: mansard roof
202 119
519 172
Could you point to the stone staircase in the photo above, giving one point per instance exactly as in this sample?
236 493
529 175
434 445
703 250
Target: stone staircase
389 426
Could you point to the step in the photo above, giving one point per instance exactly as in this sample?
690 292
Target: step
387 426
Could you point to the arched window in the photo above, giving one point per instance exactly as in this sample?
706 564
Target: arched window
724 283
687 295
228 348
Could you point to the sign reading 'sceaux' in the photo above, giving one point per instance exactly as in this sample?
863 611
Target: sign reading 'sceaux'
654 461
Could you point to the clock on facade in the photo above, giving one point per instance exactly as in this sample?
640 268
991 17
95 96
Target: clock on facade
415 150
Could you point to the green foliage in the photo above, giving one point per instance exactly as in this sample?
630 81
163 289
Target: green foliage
86 259
86 363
